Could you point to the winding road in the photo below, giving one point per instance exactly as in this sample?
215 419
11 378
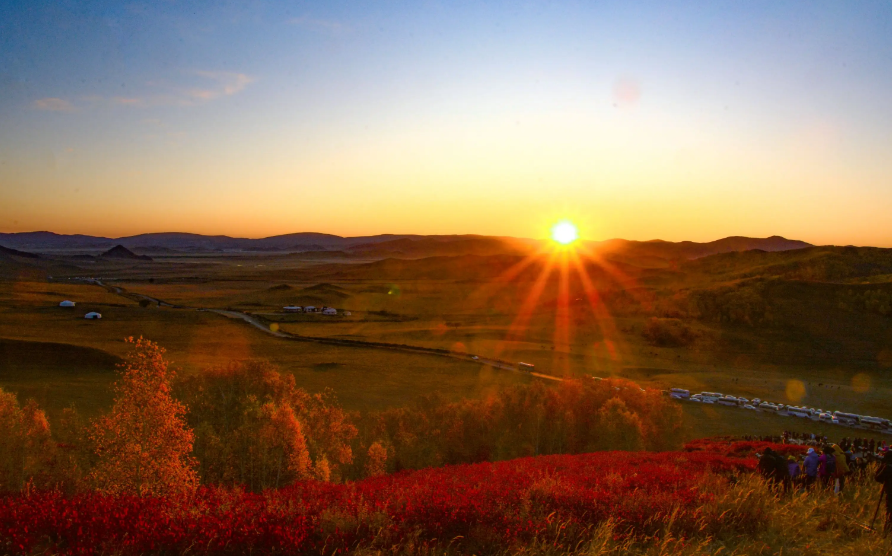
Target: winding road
267 328
273 331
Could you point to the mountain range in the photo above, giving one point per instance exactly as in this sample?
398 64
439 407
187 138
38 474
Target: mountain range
382 246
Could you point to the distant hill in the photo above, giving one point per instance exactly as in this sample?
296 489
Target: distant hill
37 241
121 252
654 253
21 265
432 246
516 268
814 264
186 242
16 253
659 253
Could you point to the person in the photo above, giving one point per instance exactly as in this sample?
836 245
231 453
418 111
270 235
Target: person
884 477
773 467
793 468
827 467
811 463
766 464
842 466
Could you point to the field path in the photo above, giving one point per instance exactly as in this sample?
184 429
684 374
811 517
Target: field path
274 331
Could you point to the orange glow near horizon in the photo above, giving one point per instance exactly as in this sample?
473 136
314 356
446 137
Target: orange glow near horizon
573 270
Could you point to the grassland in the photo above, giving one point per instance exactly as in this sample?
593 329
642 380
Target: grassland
31 321
811 352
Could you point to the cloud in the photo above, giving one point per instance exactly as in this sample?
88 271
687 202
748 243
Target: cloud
332 27
198 87
128 101
224 83
53 104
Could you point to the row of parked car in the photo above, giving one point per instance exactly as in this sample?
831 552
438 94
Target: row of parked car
833 417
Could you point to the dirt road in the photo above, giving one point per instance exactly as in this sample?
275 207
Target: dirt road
271 329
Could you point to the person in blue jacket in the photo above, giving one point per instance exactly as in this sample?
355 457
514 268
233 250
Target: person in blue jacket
812 460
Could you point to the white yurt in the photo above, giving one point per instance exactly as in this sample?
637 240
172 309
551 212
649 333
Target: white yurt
329 311
93 315
66 303
292 309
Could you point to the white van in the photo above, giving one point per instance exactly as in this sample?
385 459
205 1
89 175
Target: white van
875 423
847 418
679 393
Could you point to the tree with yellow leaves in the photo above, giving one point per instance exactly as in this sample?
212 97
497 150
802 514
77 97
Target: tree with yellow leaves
143 446
25 444
376 462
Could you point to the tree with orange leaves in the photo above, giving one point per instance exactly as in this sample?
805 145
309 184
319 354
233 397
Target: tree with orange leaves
25 444
376 463
143 446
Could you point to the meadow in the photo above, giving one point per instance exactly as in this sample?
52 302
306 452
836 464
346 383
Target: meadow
812 352
37 333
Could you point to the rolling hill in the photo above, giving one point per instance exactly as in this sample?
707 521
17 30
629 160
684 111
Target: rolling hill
660 253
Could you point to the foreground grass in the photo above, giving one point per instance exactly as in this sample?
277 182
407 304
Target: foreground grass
643 504
752 518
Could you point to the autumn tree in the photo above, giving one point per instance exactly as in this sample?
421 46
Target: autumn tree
25 444
73 457
575 416
143 446
376 460
620 428
255 428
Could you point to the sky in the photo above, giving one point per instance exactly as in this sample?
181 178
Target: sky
640 120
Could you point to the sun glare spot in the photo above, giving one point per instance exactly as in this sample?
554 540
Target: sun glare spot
564 233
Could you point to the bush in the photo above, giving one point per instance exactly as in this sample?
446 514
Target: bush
668 332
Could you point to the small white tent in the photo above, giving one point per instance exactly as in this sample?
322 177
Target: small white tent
309 309
329 311
66 303
93 315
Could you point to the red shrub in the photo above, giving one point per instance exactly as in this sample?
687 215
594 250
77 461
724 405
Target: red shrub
742 448
489 505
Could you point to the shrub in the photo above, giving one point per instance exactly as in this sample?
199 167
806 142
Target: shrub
668 332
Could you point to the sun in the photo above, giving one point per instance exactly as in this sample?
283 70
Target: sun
564 232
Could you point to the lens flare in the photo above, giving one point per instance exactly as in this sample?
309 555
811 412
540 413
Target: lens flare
564 233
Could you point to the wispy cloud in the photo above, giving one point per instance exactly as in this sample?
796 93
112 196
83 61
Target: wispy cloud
224 83
52 104
328 26
198 87
128 101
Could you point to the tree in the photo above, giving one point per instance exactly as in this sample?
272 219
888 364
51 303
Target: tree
25 444
255 427
621 428
143 446
376 463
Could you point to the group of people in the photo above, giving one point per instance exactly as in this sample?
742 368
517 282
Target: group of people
828 464
866 446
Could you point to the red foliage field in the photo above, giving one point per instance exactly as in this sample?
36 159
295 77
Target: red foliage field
742 448
482 507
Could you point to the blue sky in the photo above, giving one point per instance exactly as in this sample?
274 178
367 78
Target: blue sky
638 120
